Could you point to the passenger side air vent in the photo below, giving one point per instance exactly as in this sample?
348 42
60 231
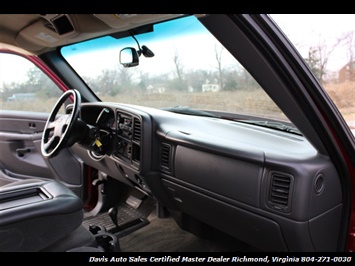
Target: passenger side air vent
137 130
165 157
280 193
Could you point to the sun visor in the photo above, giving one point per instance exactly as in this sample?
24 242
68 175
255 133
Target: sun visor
121 21
49 31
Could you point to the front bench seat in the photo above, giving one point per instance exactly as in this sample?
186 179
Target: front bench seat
37 215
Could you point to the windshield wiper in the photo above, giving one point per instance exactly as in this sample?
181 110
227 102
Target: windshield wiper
188 111
272 124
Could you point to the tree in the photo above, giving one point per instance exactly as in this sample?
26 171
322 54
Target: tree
178 83
197 78
125 77
349 42
218 55
144 81
313 62
39 83
318 57
107 83
7 90
178 65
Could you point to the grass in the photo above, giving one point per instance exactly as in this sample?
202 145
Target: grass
343 95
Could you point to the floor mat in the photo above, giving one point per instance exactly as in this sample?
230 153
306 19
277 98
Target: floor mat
157 234
125 215
164 235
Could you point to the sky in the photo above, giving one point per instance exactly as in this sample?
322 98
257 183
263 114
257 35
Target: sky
307 31
313 29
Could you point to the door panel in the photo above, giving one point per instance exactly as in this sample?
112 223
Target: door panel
20 156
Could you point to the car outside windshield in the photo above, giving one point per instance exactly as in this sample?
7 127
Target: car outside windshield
190 70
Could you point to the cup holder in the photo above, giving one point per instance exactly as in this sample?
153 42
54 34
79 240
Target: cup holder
96 229
105 240
108 242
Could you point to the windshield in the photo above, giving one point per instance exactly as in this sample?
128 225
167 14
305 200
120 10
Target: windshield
190 70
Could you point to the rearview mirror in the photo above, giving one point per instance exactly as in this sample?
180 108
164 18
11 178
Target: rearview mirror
129 57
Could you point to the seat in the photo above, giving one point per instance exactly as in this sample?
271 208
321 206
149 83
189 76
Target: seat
27 207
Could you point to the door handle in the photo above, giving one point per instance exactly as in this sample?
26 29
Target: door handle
22 151
32 125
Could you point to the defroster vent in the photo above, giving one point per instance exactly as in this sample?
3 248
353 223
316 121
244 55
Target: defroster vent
280 193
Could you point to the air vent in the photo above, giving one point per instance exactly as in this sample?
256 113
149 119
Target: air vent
280 191
137 130
165 157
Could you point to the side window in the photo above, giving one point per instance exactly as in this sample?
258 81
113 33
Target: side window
24 87
327 43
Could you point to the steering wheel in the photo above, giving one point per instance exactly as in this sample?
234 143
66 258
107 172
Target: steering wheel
57 130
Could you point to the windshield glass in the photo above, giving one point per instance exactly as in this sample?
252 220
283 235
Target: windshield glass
190 70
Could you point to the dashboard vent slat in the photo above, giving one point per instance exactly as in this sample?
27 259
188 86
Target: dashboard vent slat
137 130
165 157
280 191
